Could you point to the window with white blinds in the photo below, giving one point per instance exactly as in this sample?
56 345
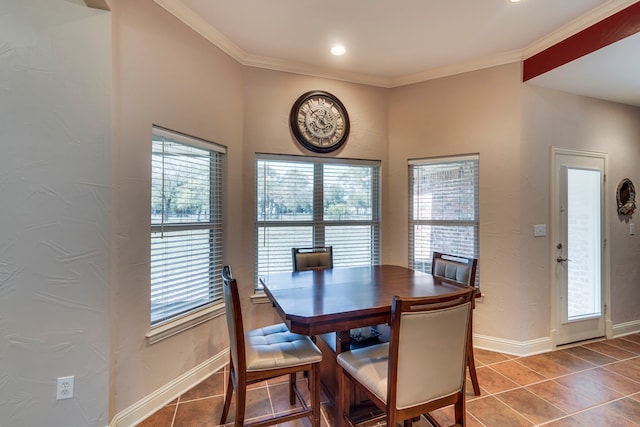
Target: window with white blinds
186 224
307 202
443 209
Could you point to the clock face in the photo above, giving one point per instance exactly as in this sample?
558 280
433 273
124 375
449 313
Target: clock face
319 121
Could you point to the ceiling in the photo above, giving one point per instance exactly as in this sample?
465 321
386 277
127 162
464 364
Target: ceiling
393 43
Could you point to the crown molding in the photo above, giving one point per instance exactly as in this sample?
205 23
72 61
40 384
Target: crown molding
178 9
604 32
450 70
315 71
585 21
202 27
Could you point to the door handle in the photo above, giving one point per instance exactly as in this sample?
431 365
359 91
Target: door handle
560 259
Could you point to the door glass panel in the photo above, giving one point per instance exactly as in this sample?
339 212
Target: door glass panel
583 228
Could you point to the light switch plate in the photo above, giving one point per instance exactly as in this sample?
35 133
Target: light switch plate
539 230
632 229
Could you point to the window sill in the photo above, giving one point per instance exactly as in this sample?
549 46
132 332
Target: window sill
183 323
259 297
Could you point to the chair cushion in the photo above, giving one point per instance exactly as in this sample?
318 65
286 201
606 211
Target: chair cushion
369 366
276 347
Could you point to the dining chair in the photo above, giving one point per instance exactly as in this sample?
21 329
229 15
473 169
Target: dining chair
317 258
266 353
422 367
461 270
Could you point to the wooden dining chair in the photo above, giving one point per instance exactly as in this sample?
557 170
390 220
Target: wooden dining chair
317 258
461 270
421 369
266 353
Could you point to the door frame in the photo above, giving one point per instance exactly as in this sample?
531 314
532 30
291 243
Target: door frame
554 238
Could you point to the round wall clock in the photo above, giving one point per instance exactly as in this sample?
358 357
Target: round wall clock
319 122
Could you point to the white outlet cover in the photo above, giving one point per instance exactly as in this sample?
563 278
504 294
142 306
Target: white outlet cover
64 388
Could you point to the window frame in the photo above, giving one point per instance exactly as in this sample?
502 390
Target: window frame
210 258
317 222
413 221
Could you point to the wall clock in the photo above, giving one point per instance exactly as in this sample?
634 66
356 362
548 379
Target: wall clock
319 122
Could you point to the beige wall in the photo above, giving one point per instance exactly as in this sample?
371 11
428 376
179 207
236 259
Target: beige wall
476 112
55 212
167 75
268 97
557 119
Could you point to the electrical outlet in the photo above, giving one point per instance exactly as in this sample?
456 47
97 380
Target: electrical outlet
64 388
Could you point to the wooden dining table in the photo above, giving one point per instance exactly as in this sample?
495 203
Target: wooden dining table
331 302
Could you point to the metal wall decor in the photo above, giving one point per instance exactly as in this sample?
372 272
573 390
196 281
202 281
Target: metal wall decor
319 121
626 197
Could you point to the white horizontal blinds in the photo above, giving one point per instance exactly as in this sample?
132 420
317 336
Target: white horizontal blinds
186 225
305 202
351 212
284 213
443 209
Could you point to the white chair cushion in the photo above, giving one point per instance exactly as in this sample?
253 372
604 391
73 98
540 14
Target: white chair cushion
276 347
369 366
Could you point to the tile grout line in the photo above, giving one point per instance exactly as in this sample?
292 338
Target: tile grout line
524 387
175 412
606 369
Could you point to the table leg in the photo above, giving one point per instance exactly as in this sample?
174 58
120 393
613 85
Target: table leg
343 341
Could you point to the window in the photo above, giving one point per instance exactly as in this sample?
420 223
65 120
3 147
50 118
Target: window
186 224
305 202
443 209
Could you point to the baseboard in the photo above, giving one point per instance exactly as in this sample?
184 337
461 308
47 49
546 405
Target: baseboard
156 400
543 345
626 328
515 348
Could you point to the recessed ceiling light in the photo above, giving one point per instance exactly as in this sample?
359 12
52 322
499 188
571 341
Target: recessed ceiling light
514 1
338 50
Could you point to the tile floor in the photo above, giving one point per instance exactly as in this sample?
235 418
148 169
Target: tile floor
594 384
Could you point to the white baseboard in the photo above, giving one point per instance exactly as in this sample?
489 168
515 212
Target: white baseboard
542 345
626 328
515 348
156 400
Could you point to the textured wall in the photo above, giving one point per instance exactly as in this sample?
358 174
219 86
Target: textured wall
558 119
477 112
163 74
57 218
55 211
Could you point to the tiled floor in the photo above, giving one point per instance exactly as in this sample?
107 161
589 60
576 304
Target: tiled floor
595 384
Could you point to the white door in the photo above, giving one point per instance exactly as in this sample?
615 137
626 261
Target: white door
578 245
